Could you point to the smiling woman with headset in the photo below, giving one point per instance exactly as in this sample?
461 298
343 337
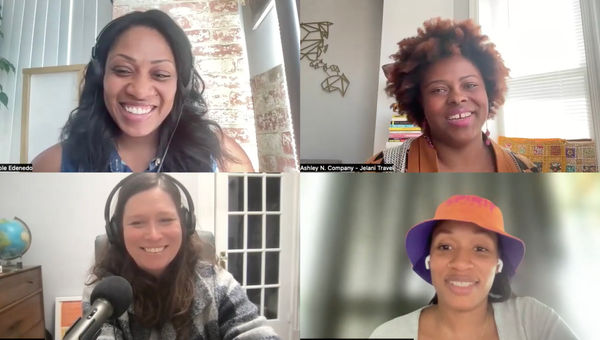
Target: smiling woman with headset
141 107
177 294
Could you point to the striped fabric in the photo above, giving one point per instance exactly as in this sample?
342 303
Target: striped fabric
221 311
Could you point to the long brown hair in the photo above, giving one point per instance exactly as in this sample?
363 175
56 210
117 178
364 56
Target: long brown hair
169 297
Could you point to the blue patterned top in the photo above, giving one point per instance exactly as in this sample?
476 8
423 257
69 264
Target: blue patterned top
116 164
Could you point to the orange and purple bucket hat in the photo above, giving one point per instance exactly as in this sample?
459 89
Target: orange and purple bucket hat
465 208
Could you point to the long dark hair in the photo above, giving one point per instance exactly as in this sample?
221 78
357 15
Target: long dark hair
155 300
88 136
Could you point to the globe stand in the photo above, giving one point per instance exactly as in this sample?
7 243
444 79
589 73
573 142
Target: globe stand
9 265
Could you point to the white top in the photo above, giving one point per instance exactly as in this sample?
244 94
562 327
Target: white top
520 318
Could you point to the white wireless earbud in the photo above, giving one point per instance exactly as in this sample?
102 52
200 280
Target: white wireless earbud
427 260
500 265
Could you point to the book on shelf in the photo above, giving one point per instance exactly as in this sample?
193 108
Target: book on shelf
400 129
404 135
407 128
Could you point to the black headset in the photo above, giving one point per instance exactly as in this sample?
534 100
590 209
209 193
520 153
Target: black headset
186 215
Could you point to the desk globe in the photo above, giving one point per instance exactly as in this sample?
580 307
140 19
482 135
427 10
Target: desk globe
15 239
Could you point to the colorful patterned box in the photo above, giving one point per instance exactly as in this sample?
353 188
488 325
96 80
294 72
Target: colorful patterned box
555 155
581 156
547 154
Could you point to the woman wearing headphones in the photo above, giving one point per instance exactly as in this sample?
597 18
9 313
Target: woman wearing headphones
176 293
467 256
141 107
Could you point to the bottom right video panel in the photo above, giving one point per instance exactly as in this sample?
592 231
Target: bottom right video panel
449 255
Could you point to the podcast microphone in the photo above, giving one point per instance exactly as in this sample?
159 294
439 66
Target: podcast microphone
110 298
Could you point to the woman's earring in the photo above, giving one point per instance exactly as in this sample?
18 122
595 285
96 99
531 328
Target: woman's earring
426 134
500 266
487 130
427 260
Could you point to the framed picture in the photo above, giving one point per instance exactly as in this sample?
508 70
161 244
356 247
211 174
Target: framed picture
66 311
259 10
49 95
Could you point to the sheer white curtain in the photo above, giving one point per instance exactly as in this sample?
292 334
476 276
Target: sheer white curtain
542 42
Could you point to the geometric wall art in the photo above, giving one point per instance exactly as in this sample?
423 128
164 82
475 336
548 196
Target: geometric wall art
313 47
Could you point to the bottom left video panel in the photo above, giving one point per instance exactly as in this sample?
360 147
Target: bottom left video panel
146 255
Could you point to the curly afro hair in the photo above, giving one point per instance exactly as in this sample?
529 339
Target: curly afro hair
438 40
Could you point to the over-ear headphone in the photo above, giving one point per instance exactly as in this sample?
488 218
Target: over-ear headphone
186 215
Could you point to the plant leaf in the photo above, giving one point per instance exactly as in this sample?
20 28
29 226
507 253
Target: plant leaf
6 65
4 99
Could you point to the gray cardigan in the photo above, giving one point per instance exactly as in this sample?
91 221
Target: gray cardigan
520 318
221 311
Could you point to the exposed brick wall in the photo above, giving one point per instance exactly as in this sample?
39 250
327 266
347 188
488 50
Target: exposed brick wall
274 132
215 31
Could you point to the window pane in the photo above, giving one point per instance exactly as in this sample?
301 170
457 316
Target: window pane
254 193
273 188
272 231
236 193
271 299
254 296
235 233
253 269
547 91
271 267
254 231
235 265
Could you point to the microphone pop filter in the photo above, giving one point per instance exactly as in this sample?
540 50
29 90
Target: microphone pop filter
117 291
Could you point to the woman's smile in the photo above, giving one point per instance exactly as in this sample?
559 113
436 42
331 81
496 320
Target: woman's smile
461 285
138 109
454 101
460 118
137 113
152 230
463 263
154 250
140 81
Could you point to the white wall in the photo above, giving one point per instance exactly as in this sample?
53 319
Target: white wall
65 213
41 33
332 126
363 36
263 44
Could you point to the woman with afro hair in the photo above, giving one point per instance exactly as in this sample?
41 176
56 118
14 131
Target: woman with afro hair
449 80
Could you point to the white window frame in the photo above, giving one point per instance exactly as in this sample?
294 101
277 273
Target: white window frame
590 18
286 324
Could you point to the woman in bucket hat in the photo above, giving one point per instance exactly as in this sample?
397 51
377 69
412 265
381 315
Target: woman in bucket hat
467 256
